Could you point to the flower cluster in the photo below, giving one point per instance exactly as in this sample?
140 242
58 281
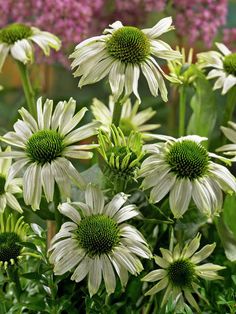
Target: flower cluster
199 18
70 21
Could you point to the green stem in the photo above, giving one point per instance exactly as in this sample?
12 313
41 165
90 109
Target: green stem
58 216
182 110
117 113
27 87
13 276
149 304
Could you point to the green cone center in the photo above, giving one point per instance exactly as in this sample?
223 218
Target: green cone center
230 64
181 273
2 184
44 146
129 45
188 159
9 249
98 234
13 32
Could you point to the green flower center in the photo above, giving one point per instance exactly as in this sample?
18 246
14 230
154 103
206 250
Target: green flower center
2 184
44 146
129 45
9 249
230 64
98 234
13 32
126 126
188 159
181 273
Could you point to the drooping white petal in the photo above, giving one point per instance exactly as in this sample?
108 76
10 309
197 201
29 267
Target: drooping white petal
94 276
94 198
69 211
4 49
180 196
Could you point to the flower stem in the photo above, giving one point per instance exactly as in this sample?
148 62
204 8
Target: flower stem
117 111
149 304
13 276
27 87
58 216
182 110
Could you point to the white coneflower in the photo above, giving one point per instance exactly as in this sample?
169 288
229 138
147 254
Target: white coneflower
45 146
179 272
12 233
230 133
223 64
130 120
8 186
98 242
18 39
183 167
121 53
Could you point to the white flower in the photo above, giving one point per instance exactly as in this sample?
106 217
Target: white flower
229 149
183 168
223 64
44 146
8 186
179 271
98 242
130 119
18 38
121 53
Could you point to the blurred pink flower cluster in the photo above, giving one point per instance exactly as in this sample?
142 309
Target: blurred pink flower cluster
229 38
134 12
74 20
199 19
70 20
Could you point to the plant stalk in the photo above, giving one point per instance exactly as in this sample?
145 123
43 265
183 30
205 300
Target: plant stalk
182 110
13 276
27 87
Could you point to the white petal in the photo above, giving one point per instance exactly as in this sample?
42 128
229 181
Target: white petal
180 196
94 276
47 181
108 274
115 204
162 188
4 49
22 51
155 275
163 26
69 211
223 49
94 198
158 287
13 203
229 82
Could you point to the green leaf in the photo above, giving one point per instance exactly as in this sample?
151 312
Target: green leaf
32 276
227 238
203 104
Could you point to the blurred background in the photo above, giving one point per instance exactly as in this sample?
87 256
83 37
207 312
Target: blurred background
198 23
